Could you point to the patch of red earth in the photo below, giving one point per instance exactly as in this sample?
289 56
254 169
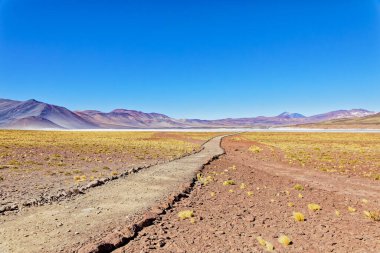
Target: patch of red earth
231 220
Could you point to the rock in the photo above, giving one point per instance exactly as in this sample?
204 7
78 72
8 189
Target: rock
162 243
93 184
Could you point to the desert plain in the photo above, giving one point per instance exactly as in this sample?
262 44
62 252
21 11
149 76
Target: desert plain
189 192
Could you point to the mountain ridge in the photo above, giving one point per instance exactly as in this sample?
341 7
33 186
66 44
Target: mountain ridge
33 114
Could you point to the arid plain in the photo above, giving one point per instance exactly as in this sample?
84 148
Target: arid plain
280 192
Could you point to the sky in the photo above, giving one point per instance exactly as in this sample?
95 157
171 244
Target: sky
193 59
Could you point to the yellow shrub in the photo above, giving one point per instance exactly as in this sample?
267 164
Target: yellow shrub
373 215
268 246
337 213
255 149
204 180
314 207
261 241
298 216
351 209
300 195
242 186
290 204
229 182
284 240
250 193
186 214
298 187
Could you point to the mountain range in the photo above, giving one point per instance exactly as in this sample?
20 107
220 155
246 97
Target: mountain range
33 114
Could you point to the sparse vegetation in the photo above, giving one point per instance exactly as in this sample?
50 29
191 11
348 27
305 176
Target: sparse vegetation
284 240
314 207
267 245
373 215
255 149
340 153
66 158
204 180
229 182
298 187
298 216
186 214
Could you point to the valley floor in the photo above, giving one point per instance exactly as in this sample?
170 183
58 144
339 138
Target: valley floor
261 202
249 193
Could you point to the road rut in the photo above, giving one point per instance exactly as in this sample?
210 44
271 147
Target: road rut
64 226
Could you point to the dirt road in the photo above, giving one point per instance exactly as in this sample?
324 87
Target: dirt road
64 226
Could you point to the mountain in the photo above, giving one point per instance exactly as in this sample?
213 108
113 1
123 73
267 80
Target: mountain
366 122
341 114
291 115
32 114
121 118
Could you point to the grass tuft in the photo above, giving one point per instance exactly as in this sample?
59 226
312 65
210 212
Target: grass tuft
229 182
284 240
186 214
298 187
250 193
298 216
373 215
267 245
255 149
314 207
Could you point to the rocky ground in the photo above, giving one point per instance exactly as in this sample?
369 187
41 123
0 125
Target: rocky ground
255 211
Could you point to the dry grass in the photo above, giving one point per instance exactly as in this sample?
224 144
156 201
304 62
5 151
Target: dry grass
298 187
340 153
373 215
28 151
229 182
314 207
298 216
284 240
255 149
186 214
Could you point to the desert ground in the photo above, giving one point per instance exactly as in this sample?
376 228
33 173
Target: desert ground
268 192
38 165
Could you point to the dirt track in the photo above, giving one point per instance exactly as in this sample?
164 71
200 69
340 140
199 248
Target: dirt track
67 225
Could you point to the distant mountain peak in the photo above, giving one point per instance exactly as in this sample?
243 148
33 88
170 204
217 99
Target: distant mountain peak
122 111
291 115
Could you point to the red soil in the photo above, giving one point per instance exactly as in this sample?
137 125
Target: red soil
230 221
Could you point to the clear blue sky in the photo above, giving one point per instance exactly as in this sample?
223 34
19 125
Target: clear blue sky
193 59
